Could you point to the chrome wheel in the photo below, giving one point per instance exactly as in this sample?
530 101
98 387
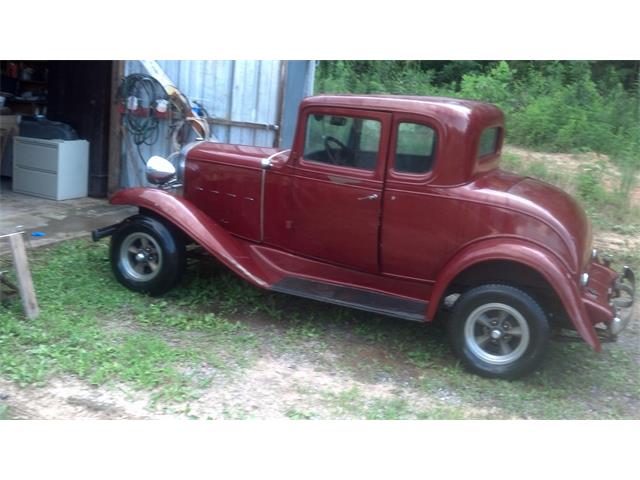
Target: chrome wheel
147 255
496 333
140 256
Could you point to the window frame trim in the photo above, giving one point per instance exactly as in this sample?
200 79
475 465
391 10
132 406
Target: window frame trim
320 167
417 119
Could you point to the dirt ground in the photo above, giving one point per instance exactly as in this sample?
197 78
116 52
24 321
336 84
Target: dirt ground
279 385
268 390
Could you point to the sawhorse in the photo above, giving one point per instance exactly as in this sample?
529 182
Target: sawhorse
23 276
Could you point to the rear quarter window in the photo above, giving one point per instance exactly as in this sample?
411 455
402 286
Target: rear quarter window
414 148
488 141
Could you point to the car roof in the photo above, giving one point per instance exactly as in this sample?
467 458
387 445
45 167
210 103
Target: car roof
462 122
407 103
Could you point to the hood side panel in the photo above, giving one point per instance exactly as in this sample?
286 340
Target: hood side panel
224 181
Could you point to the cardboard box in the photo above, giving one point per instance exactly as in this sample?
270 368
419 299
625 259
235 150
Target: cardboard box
8 128
9 122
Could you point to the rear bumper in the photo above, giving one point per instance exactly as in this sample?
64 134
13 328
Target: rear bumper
608 297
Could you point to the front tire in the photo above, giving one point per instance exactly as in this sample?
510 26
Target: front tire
147 256
499 331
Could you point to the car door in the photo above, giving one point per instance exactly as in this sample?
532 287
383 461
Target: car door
413 240
337 186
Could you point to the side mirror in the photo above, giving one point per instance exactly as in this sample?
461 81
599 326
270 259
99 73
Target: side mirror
159 170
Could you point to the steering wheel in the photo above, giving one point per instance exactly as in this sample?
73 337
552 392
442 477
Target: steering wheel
344 150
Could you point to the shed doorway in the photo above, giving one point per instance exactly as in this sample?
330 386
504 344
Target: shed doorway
75 93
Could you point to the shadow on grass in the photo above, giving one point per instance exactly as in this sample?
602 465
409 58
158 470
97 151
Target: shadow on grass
573 382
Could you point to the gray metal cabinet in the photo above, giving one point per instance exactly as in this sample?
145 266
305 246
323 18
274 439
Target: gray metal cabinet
54 169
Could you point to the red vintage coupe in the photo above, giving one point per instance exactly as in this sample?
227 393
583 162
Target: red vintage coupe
395 205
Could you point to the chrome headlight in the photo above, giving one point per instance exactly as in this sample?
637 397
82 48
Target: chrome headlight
160 170
584 279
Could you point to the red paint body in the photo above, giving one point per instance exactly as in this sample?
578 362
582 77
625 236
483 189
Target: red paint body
308 219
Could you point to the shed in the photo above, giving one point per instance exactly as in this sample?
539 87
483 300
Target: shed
248 102
252 102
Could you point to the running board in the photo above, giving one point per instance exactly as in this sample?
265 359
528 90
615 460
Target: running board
353 297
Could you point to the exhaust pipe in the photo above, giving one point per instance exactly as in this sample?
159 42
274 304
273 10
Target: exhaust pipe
99 233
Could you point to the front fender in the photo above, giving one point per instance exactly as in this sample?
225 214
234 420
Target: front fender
231 251
530 255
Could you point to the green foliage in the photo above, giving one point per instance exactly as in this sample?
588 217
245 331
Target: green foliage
494 87
373 77
590 190
559 106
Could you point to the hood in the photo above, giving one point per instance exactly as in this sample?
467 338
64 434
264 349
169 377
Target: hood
547 203
240 155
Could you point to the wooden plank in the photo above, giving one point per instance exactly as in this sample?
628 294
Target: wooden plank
238 123
23 276
115 132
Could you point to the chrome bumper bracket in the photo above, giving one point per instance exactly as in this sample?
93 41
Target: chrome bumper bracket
624 289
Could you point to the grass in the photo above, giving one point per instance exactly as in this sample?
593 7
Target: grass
214 326
353 403
92 328
295 414
631 258
537 169
574 383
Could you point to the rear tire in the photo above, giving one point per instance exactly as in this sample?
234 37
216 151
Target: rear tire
499 331
146 255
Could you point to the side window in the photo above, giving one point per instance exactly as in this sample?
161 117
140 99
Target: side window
343 141
414 149
488 141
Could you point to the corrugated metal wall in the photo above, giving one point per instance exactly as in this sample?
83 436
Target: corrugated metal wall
241 91
299 81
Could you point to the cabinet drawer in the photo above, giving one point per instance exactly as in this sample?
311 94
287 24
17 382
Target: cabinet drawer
37 155
34 182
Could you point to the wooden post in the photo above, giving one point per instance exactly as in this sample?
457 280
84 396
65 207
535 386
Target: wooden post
23 276
115 134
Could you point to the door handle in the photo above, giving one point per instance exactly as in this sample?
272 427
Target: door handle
373 196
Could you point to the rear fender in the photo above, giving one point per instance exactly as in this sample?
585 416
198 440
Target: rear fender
231 251
532 256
